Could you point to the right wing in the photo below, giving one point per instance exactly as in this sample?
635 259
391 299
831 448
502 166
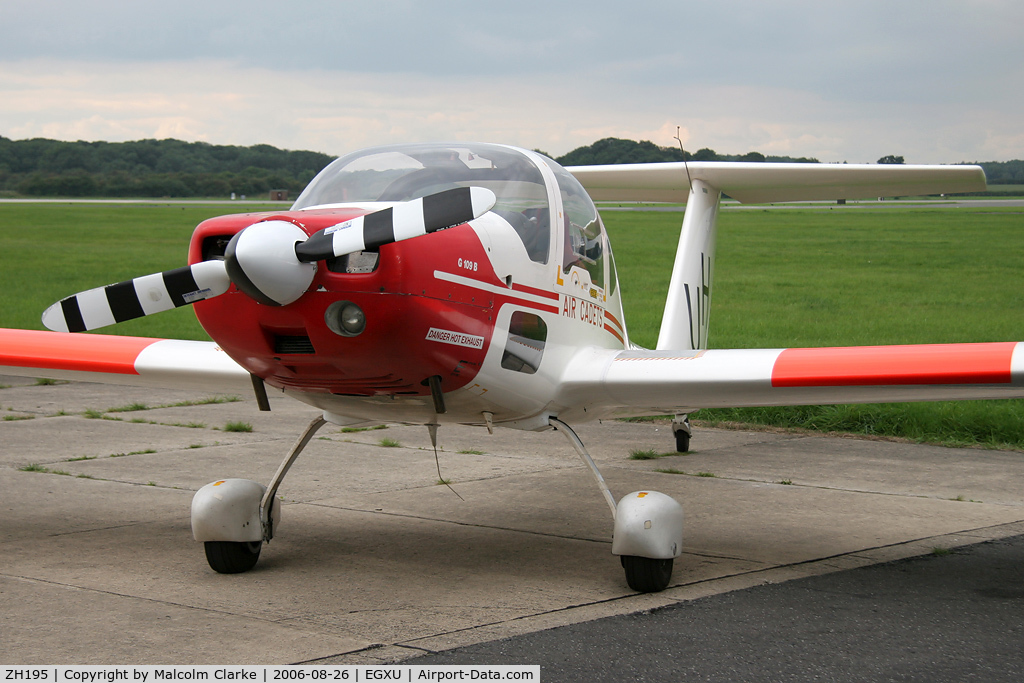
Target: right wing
602 382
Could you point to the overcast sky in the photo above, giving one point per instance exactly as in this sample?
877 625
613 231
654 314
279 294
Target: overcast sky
935 81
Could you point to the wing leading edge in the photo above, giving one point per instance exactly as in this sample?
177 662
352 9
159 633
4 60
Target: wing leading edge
109 359
772 182
603 382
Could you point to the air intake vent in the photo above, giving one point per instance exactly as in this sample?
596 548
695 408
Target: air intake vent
286 344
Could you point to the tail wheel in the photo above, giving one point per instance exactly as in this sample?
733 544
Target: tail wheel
682 442
230 557
645 574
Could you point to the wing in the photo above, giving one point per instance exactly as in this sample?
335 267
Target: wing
165 363
608 382
761 182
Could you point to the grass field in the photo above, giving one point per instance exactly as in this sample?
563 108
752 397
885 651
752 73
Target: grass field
847 277
49 251
782 278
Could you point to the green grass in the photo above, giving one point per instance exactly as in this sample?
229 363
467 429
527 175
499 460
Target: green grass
847 277
90 245
186 425
212 400
129 408
649 454
389 443
993 424
45 470
820 278
238 427
142 452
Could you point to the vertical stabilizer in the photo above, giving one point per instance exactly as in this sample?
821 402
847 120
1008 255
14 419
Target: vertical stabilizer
684 325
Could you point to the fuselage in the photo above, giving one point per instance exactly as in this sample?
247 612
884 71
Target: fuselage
490 312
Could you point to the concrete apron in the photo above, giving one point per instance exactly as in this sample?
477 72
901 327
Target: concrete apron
376 562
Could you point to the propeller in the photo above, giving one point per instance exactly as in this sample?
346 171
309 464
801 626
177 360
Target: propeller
400 222
273 261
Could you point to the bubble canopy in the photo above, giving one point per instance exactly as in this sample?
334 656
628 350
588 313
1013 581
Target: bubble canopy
404 172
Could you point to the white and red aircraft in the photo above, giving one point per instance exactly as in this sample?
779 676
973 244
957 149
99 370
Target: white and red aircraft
475 284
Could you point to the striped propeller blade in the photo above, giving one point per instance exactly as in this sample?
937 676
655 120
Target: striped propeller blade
400 222
136 298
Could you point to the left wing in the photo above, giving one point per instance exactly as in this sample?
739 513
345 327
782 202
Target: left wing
608 382
139 361
773 182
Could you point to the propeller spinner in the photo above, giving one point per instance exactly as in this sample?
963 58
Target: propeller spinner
273 261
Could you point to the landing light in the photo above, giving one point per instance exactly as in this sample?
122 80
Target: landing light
345 318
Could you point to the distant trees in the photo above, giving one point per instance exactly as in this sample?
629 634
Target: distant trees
619 151
151 168
172 168
1004 172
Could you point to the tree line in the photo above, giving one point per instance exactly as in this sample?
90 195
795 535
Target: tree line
172 168
151 168
619 151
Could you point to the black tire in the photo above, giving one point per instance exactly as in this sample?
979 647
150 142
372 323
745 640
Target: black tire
230 557
647 575
682 442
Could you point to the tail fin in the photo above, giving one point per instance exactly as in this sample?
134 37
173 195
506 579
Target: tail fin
684 325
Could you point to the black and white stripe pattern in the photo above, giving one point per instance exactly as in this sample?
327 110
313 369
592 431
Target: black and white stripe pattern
400 222
142 296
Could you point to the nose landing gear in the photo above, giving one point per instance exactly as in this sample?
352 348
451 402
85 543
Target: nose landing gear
234 517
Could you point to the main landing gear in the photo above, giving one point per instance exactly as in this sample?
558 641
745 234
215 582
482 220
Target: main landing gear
648 531
234 517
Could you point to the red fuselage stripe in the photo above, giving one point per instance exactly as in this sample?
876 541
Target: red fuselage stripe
894 365
613 332
78 352
516 287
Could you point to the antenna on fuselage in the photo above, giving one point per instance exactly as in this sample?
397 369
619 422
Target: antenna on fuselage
683 152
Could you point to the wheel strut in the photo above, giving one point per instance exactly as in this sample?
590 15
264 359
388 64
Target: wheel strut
582 450
266 505
648 531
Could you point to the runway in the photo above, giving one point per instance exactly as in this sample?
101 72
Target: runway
375 562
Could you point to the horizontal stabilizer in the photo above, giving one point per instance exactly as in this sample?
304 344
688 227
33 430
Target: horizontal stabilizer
763 182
